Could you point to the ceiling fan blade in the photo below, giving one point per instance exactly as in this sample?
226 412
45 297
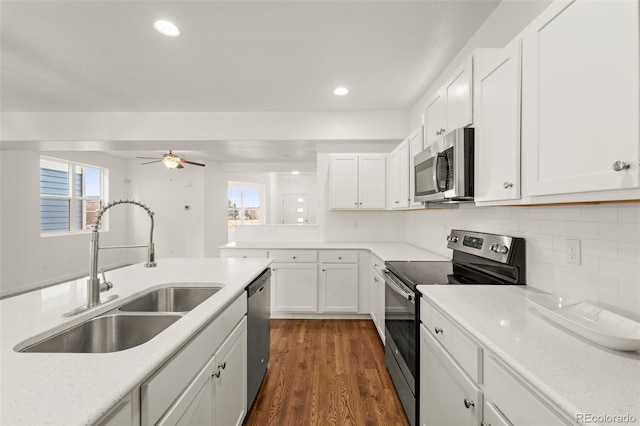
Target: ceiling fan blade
179 166
149 162
182 160
149 158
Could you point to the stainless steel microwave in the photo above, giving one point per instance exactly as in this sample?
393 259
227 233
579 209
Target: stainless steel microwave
446 175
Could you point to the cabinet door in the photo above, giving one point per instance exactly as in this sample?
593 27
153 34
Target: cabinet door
338 288
580 93
394 178
497 144
344 181
294 287
435 120
374 298
230 379
415 146
380 307
372 170
493 416
447 395
459 97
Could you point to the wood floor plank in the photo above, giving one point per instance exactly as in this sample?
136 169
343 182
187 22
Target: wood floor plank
326 372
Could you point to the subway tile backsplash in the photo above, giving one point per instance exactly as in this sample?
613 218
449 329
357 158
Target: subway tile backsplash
609 234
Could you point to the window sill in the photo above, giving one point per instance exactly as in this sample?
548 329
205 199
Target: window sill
61 234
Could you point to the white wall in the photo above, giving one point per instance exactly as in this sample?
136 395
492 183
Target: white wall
609 236
504 23
178 232
30 260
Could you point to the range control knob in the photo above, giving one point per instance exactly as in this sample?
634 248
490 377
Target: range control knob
499 248
452 239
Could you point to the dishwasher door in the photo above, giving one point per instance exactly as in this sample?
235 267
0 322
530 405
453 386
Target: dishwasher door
258 333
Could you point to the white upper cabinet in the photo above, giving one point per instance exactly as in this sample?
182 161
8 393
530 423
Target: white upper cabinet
497 123
451 107
459 98
580 98
399 176
358 181
435 120
415 146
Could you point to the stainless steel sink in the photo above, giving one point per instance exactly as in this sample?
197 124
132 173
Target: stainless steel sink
170 299
110 333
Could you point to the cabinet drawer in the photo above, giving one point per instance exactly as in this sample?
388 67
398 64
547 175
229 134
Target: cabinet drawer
338 256
244 254
466 351
294 256
377 264
514 399
159 392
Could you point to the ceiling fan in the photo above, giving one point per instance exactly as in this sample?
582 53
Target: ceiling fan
171 161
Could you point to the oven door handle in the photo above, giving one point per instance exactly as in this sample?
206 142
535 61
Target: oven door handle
396 288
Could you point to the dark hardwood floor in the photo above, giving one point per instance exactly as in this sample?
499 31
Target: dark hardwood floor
326 372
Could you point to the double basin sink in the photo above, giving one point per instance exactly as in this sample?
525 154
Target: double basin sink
129 325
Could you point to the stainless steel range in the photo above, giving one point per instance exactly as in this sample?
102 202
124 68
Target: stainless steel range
478 258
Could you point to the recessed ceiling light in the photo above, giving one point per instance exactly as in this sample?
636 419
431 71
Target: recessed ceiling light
295 172
167 28
341 91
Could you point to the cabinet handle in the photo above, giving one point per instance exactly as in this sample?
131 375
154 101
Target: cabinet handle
223 365
244 257
375 279
339 257
356 203
438 330
507 185
360 203
324 270
397 202
216 374
294 257
468 403
619 166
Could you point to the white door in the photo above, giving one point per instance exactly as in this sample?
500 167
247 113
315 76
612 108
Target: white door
497 130
458 97
415 146
434 120
344 181
580 98
447 396
372 169
230 379
294 208
294 287
338 288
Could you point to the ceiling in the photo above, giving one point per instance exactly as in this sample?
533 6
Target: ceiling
232 55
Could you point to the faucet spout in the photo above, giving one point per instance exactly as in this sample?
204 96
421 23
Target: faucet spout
93 283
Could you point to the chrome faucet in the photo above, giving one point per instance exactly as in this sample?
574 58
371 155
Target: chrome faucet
94 286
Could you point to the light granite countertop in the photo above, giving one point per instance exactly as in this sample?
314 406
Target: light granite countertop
578 376
78 389
385 251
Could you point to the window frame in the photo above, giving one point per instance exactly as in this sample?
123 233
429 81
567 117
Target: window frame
73 198
262 208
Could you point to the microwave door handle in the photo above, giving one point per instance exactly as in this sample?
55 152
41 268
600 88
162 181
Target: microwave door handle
436 186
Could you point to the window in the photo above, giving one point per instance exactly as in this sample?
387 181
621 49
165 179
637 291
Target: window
71 195
245 202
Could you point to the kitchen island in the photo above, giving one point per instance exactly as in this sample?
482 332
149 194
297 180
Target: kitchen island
81 388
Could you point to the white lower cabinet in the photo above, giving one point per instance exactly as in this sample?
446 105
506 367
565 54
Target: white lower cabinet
294 287
447 395
376 296
338 287
218 394
463 383
205 383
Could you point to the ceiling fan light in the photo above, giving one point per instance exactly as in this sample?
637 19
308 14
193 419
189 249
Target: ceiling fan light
170 162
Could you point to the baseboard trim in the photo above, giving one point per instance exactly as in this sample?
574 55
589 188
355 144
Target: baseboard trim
311 315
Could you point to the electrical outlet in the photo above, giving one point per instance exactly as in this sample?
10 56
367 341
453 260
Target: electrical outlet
573 252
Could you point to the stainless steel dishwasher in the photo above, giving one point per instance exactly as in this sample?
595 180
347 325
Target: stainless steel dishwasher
258 333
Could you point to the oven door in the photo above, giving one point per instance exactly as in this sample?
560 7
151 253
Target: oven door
400 325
